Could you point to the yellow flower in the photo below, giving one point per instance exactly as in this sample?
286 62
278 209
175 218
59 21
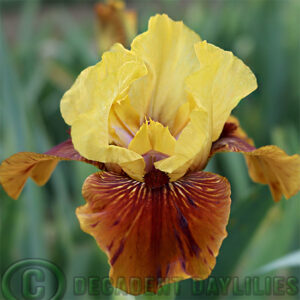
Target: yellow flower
151 118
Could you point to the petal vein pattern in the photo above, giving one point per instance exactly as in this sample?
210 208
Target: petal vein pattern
165 234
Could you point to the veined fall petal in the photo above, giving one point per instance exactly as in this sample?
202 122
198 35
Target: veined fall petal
157 235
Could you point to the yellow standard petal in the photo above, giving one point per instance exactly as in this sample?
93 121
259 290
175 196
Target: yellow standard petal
222 81
167 49
86 107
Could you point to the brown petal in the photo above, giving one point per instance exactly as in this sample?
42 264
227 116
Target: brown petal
15 170
155 236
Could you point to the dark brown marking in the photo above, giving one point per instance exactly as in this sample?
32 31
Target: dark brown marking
179 243
183 265
95 224
210 251
116 222
156 179
167 269
110 246
117 254
191 201
228 129
191 243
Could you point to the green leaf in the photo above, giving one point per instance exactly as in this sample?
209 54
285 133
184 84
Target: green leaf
289 260
245 219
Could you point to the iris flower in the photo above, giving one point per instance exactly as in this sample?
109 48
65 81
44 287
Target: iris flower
150 118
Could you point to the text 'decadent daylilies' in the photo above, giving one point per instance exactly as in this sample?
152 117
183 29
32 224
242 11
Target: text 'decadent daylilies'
150 118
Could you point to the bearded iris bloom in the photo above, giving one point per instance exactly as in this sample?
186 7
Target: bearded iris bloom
150 118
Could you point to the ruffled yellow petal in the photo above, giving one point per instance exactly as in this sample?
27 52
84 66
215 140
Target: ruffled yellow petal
86 106
81 97
167 49
222 81
98 87
215 89
153 136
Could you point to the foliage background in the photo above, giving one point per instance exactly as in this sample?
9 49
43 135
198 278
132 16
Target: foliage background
43 47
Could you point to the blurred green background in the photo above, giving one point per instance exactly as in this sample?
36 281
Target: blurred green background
43 47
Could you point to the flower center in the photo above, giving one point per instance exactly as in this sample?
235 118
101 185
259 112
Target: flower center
156 178
151 157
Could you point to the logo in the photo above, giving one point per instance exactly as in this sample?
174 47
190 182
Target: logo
39 279
33 279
